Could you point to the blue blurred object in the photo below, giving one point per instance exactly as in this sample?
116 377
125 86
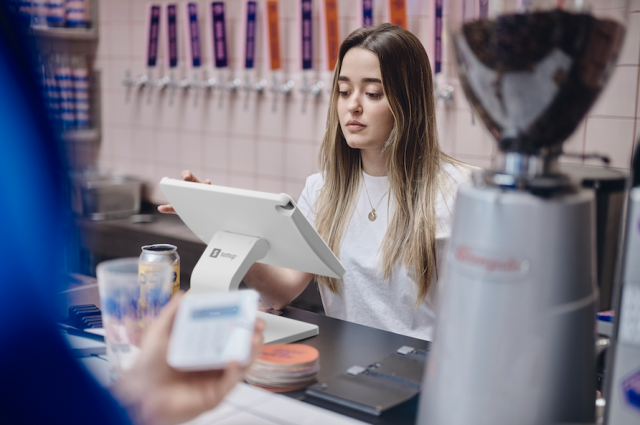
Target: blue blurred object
41 382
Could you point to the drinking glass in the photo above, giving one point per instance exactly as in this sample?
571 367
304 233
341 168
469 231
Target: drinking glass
129 301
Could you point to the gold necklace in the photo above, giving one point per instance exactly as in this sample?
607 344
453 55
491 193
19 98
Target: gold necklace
372 215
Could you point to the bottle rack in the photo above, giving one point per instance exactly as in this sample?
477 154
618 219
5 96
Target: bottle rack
62 33
81 144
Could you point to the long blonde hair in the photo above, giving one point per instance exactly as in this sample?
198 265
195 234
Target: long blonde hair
414 159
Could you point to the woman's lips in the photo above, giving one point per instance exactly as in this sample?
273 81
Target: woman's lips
353 125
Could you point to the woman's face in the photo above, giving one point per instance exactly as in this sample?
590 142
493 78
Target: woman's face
365 116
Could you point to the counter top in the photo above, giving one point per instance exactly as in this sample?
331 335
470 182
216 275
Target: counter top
341 344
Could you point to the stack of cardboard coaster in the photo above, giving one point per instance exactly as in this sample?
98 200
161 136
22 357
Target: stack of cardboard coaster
284 367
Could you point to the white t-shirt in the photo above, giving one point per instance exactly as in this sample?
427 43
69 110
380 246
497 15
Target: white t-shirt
364 297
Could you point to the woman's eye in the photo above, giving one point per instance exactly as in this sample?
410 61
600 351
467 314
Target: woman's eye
374 95
343 93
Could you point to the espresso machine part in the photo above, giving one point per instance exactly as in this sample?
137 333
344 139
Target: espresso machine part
514 343
609 186
515 337
622 385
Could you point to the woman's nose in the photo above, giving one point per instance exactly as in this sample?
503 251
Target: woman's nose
355 106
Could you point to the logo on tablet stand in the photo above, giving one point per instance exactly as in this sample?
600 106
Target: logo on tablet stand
218 252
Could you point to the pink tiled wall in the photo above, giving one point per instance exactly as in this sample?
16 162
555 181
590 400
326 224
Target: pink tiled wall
265 143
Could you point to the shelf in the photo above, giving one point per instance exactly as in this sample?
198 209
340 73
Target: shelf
81 136
86 34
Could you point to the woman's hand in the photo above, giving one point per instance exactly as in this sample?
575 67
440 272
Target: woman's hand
155 393
187 176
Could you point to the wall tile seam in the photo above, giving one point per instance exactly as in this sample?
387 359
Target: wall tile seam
252 174
288 140
172 130
115 124
124 159
154 128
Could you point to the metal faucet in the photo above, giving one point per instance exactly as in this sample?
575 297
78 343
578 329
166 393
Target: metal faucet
314 90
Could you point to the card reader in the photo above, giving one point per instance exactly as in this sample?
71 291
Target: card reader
213 330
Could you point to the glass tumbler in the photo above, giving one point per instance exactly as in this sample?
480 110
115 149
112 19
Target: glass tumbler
129 304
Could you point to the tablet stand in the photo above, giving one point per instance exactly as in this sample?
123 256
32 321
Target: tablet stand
222 266
226 260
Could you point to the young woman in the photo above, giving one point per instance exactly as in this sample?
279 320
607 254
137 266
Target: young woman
384 196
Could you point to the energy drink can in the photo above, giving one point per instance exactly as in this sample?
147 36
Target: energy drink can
158 278
161 253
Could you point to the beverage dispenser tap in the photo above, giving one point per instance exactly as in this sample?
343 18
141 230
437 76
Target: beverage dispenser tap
396 11
286 88
151 57
163 82
247 53
220 52
273 49
330 35
364 13
193 85
305 25
314 89
171 53
444 94
233 85
193 49
259 86
209 84
139 82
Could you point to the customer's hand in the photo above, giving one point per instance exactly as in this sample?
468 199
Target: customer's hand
155 393
187 176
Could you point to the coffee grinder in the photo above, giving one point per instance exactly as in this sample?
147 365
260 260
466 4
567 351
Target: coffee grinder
515 336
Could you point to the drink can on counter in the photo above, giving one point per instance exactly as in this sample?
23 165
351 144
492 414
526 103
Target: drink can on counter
157 286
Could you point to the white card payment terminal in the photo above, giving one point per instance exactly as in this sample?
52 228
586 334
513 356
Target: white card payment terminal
212 330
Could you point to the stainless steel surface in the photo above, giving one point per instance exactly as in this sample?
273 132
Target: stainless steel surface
514 342
234 85
609 186
287 87
259 86
525 165
444 93
102 196
540 184
314 89
209 84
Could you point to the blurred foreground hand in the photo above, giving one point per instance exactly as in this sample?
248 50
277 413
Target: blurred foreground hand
156 394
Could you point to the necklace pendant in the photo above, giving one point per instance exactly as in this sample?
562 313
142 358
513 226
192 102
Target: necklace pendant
372 215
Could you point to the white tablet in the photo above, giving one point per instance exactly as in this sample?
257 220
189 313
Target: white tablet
293 242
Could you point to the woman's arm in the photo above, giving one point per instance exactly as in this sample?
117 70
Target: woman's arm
277 286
